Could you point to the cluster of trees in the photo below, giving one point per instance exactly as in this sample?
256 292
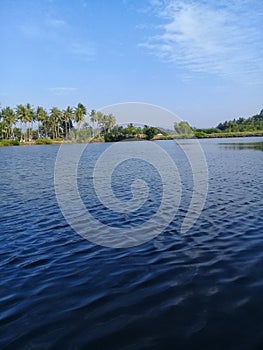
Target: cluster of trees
243 124
119 133
237 127
26 123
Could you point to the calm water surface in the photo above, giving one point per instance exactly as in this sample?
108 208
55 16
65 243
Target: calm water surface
199 290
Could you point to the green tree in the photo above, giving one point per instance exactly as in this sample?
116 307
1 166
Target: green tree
55 118
9 119
108 122
183 128
130 130
22 117
80 113
150 132
98 118
67 116
43 118
30 117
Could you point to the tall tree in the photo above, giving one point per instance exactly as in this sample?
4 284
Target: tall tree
183 128
55 121
22 117
93 119
30 117
9 119
98 117
42 117
80 112
67 115
109 121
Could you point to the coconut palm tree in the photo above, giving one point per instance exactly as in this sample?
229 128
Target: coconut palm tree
109 122
55 121
42 117
93 120
67 119
30 117
80 112
97 117
9 119
22 117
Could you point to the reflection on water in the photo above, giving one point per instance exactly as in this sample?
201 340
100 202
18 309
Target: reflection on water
244 145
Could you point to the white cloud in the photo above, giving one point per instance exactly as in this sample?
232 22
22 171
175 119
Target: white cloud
55 22
224 38
59 91
83 50
48 29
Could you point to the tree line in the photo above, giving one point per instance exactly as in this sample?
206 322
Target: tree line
253 123
240 126
24 123
119 132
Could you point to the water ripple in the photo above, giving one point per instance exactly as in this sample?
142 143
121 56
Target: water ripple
197 290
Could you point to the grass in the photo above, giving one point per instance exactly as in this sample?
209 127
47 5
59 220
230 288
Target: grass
43 142
9 143
229 134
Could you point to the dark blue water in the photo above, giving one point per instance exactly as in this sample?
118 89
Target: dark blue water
198 290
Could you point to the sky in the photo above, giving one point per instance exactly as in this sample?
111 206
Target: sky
201 60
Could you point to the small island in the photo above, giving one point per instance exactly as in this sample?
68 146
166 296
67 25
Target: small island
25 125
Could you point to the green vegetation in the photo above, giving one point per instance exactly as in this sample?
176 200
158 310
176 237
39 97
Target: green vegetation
25 124
183 128
9 143
240 127
119 133
43 142
254 123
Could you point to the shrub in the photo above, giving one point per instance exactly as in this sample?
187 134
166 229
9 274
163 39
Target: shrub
43 142
9 143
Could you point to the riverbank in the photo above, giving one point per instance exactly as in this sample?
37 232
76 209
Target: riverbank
229 134
5 143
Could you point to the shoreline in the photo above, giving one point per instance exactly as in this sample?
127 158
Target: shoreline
8 143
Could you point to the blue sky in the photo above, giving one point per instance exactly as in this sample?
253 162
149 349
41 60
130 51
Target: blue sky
202 60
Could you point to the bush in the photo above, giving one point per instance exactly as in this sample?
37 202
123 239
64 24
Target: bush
9 143
58 139
43 142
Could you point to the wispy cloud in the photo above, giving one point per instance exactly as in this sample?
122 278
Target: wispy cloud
55 22
83 50
48 28
223 38
59 91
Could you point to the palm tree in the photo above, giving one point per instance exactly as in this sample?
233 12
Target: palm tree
67 119
97 117
109 122
21 115
55 121
30 117
80 112
42 117
93 119
9 119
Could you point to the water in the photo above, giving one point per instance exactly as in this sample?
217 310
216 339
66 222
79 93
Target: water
201 289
